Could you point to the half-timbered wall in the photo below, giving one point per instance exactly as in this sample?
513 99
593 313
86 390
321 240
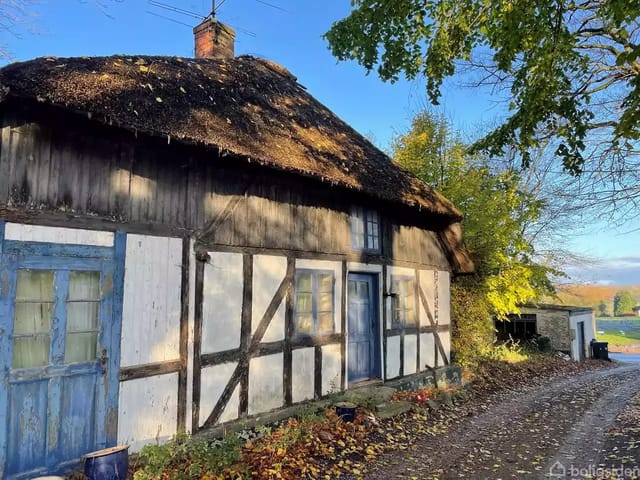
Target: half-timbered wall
413 349
212 250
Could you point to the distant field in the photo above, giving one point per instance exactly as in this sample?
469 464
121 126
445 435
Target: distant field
618 330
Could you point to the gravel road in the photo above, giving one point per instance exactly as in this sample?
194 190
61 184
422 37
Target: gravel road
564 429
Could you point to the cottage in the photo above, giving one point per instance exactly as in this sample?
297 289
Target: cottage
188 242
570 329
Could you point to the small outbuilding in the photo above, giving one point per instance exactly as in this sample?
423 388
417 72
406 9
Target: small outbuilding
569 328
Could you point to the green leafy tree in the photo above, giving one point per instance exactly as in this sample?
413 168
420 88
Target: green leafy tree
569 68
497 210
623 303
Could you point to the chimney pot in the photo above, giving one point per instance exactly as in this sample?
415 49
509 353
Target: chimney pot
213 39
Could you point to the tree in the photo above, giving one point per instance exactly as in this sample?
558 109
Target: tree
498 209
623 303
14 16
602 308
569 68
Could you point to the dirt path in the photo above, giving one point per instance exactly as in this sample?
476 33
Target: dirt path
538 432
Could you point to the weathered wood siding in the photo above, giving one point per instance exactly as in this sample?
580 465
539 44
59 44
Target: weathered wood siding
59 167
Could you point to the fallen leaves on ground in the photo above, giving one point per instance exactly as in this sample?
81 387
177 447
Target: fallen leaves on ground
325 447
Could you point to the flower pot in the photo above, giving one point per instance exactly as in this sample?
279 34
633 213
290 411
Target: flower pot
346 411
108 464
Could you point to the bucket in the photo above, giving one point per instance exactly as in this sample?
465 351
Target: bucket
346 411
108 464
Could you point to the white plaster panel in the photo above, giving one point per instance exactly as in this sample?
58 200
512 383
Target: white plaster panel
337 272
265 383
303 374
331 368
427 351
148 409
268 273
393 357
66 236
428 286
230 412
213 380
191 321
445 338
410 354
152 304
222 302
444 298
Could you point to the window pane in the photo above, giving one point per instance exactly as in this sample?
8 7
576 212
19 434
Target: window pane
352 289
304 302
303 282
357 227
374 244
397 317
304 323
34 285
32 318
325 302
325 282
325 322
364 290
31 352
410 318
82 316
80 347
409 294
84 285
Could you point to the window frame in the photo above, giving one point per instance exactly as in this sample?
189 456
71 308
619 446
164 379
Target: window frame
395 299
364 215
315 273
62 259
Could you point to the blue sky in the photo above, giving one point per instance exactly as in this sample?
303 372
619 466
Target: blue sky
291 35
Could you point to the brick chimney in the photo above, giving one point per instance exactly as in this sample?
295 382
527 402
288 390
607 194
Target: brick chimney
213 39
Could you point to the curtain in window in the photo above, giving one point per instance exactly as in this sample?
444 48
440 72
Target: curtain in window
32 318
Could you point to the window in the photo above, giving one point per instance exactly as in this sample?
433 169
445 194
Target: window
313 308
404 305
365 229
516 327
43 297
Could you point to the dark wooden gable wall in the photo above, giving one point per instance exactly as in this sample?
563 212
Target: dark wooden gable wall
58 167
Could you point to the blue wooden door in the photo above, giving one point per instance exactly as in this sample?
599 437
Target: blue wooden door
60 334
363 331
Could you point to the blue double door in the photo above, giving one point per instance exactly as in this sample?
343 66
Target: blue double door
363 327
59 354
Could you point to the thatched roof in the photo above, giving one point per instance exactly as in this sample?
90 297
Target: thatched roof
248 107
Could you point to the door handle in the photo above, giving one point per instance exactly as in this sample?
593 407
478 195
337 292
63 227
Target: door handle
104 360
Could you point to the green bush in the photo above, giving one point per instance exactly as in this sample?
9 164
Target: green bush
544 344
189 458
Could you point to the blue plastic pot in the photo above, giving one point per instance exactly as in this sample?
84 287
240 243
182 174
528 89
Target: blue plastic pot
346 411
108 464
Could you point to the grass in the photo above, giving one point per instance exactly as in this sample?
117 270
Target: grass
618 330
